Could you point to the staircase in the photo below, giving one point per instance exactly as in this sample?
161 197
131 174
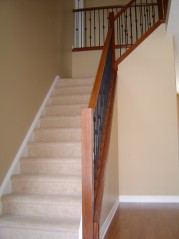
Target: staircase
45 201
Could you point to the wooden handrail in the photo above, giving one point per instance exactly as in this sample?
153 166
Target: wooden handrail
96 87
97 8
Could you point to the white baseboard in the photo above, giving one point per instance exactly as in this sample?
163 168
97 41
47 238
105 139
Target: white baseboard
108 220
148 199
14 168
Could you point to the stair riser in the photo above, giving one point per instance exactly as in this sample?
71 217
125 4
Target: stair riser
75 100
53 188
55 211
50 168
72 91
18 233
64 151
61 122
58 136
61 111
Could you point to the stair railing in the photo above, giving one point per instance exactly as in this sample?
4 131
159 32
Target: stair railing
136 22
96 120
131 22
91 26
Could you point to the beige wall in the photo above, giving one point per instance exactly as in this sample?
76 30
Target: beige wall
111 189
85 63
32 54
147 119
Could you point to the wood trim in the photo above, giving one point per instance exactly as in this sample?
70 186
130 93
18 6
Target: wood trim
97 8
144 36
102 161
124 9
87 174
99 48
110 7
89 48
96 87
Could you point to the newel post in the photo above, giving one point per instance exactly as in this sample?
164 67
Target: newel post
87 174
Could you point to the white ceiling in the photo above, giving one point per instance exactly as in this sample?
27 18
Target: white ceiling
173 28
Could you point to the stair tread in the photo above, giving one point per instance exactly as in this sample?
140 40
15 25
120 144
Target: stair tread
68 143
41 199
52 160
82 106
57 117
47 177
75 86
59 129
44 224
71 95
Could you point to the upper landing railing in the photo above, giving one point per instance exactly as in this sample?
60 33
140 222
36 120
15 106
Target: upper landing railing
131 22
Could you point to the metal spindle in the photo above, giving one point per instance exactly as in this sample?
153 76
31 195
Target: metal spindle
99 25
147 10
130 15
141 18
94 28
136 28
145 18
125 31
120 35
81 30
103 28
90 28
153 12
85 35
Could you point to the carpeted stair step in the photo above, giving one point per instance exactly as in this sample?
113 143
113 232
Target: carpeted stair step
48 206
57 135
47 184
75 82
51 166
16 227
71 100
72 90
56 150
56 110
60 121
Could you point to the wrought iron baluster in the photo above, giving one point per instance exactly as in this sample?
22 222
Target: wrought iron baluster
76 20
85 34
101 106
126 30
153 12
136 21
103 28
99 26
147 10
94 28
131 26
141 18
145 19
122 29
90 27
120 34
150 21
81 29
